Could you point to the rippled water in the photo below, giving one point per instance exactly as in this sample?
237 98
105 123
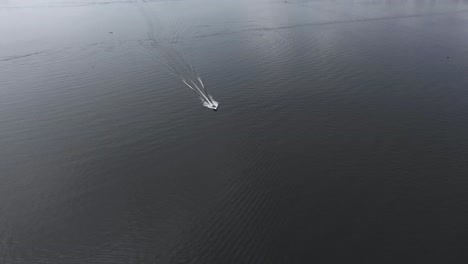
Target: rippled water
341 136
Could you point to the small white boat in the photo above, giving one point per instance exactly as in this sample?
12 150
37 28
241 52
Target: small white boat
213 106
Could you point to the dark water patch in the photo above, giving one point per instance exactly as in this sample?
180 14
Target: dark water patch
20 56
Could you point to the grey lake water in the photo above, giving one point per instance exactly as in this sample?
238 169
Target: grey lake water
341 134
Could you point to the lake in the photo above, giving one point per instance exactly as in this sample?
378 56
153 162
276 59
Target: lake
341 134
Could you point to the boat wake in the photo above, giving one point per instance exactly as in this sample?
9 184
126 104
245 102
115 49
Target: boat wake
212 105
170 50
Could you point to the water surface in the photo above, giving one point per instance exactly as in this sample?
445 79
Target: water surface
341 135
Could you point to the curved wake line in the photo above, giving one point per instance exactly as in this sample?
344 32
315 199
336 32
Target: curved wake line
176 61
207 99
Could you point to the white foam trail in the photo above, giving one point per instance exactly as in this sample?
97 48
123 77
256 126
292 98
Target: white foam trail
202 94
203 85
176 61
206 101
199 79
206 98
195 85
188 85
213 105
